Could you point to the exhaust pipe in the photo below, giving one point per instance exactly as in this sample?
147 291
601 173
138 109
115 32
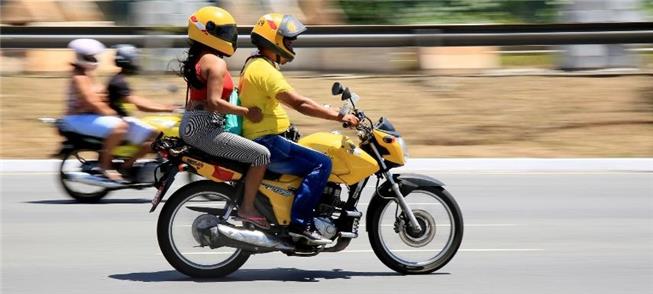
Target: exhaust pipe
256 238
207 231
85 178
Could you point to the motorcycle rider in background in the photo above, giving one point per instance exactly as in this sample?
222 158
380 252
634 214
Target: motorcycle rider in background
263 85
121 96
87 111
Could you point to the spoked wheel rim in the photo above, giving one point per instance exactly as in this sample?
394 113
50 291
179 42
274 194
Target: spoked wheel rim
411 248
180 231
80 161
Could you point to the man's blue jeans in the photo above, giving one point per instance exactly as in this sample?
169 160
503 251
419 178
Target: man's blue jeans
286 157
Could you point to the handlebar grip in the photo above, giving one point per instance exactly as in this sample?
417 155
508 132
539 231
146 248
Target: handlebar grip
346 125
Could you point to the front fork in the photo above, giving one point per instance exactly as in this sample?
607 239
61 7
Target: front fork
399 198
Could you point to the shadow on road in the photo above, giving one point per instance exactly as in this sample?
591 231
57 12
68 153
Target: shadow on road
103 201
249 275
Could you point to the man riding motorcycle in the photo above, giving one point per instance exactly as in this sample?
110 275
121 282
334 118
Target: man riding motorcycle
262 85
87 111
121 95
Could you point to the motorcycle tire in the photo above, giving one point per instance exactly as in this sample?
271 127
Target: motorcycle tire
79 196
164 228
375 211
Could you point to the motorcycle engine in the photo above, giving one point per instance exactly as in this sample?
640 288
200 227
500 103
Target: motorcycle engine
330 200
325 227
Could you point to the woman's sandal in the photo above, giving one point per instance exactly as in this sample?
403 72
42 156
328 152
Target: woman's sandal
257 221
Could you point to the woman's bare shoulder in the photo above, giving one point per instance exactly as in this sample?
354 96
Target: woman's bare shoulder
213 64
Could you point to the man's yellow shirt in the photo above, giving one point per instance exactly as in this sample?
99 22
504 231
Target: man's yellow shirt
259 85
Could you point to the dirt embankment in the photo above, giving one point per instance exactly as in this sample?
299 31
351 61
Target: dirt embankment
438 116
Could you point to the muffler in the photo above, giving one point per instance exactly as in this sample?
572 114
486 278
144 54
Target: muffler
85 178
207 231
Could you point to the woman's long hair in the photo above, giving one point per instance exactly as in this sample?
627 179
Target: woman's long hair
187 68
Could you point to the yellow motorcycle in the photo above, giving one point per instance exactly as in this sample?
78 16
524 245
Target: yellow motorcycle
79 172
414 225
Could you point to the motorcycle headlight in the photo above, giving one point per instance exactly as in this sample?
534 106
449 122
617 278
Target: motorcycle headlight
403 145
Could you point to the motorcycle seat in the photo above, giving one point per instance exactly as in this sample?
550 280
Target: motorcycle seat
231 164
80 141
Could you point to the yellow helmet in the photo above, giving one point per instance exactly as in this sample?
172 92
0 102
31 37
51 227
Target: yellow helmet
275 31
214 27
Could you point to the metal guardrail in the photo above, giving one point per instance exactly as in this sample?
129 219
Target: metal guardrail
352 36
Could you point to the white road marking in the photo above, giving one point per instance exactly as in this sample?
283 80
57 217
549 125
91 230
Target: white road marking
411 204
439 225
460 250
27 173
429 172
466 225
401 250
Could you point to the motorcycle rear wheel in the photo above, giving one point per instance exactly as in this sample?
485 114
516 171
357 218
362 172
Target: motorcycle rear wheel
72 160
175 235
409 252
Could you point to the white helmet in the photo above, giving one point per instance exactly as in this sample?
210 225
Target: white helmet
85 52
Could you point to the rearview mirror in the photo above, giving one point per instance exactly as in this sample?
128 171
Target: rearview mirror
337 88
346 94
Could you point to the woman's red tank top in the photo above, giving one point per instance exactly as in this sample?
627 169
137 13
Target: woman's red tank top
201 94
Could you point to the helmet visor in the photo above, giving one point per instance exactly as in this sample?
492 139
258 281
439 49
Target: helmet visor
291 27
228 32
88 58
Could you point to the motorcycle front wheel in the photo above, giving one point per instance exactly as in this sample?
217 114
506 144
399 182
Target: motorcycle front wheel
176 237
406 250
80 161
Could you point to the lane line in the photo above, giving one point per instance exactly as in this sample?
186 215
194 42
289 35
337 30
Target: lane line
439 225
431 172
27 173
416 203
465 225
402 250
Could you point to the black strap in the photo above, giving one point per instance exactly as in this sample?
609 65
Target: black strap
187 96
242 70
259 55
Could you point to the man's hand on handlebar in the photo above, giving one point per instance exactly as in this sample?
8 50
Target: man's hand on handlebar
349 120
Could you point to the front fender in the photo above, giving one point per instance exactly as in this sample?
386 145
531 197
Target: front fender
407 183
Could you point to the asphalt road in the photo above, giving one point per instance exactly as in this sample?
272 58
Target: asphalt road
524 233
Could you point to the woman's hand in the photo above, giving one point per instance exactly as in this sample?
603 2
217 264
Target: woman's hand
254 114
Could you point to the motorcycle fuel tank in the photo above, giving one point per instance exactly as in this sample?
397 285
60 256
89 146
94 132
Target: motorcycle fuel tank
350 163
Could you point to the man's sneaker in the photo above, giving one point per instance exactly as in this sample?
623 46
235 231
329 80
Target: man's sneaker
311 236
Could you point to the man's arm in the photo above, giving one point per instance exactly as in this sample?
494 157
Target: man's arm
147 105
309 107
